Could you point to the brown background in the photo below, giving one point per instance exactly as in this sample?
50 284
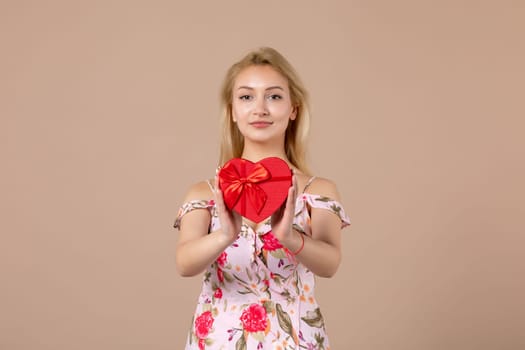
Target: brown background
109 111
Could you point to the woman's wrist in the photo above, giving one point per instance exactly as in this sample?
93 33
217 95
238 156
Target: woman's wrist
295 242
297 251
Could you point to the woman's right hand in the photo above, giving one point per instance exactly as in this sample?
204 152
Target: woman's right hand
230 220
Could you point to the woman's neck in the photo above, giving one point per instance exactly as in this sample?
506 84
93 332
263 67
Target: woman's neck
255 153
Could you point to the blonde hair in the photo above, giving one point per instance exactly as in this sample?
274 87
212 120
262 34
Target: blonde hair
232 141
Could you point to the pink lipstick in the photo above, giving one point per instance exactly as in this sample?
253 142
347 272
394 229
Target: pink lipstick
261 124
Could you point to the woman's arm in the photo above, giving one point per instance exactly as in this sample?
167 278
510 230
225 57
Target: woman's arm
321 253
196 249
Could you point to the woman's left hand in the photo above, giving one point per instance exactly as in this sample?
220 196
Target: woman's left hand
282 219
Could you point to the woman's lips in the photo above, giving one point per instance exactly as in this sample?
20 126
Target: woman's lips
261 124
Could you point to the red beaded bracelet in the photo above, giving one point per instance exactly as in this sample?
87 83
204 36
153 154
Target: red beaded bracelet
302 244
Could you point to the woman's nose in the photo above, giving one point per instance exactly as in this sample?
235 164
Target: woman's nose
260 107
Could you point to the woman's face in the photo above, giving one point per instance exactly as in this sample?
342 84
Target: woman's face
261 106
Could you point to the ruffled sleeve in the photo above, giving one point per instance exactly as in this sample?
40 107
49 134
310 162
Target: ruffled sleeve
322 202
190 206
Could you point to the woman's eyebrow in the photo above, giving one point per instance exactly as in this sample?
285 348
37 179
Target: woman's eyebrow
268 88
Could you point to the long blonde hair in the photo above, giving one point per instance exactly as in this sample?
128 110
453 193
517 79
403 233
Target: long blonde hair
232 141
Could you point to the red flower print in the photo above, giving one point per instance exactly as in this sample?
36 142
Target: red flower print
203 324
202 344
254 318
220 275
211 202
218 293
221 260
270 242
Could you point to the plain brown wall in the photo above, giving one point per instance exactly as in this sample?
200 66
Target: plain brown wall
109 112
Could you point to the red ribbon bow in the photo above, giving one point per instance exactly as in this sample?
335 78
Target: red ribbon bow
235 184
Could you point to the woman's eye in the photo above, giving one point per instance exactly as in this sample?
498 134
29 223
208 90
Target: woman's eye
275 97
244 97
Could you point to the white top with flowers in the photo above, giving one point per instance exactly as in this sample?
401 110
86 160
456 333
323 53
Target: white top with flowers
256 295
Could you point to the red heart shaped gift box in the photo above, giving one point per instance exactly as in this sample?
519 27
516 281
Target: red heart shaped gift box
255 190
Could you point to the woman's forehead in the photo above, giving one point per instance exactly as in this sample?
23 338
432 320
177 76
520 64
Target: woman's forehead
260 76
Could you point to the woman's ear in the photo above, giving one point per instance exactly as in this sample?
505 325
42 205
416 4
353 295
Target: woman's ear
293 115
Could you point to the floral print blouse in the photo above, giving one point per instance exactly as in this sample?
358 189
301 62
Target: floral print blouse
256 295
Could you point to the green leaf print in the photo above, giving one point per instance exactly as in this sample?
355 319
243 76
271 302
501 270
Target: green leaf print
192 333
284 321
269 306
246 291
241 343
227 276
248 273
258 336
277 279
262 256
244 283
314 318
298 228
278 253
335 208
289 266
323 199
319 339
297 280
289 297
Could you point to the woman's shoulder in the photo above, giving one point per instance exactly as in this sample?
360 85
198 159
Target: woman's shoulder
322 186
198 196
201 190
321 193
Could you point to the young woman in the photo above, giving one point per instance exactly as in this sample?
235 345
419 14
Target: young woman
258 287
